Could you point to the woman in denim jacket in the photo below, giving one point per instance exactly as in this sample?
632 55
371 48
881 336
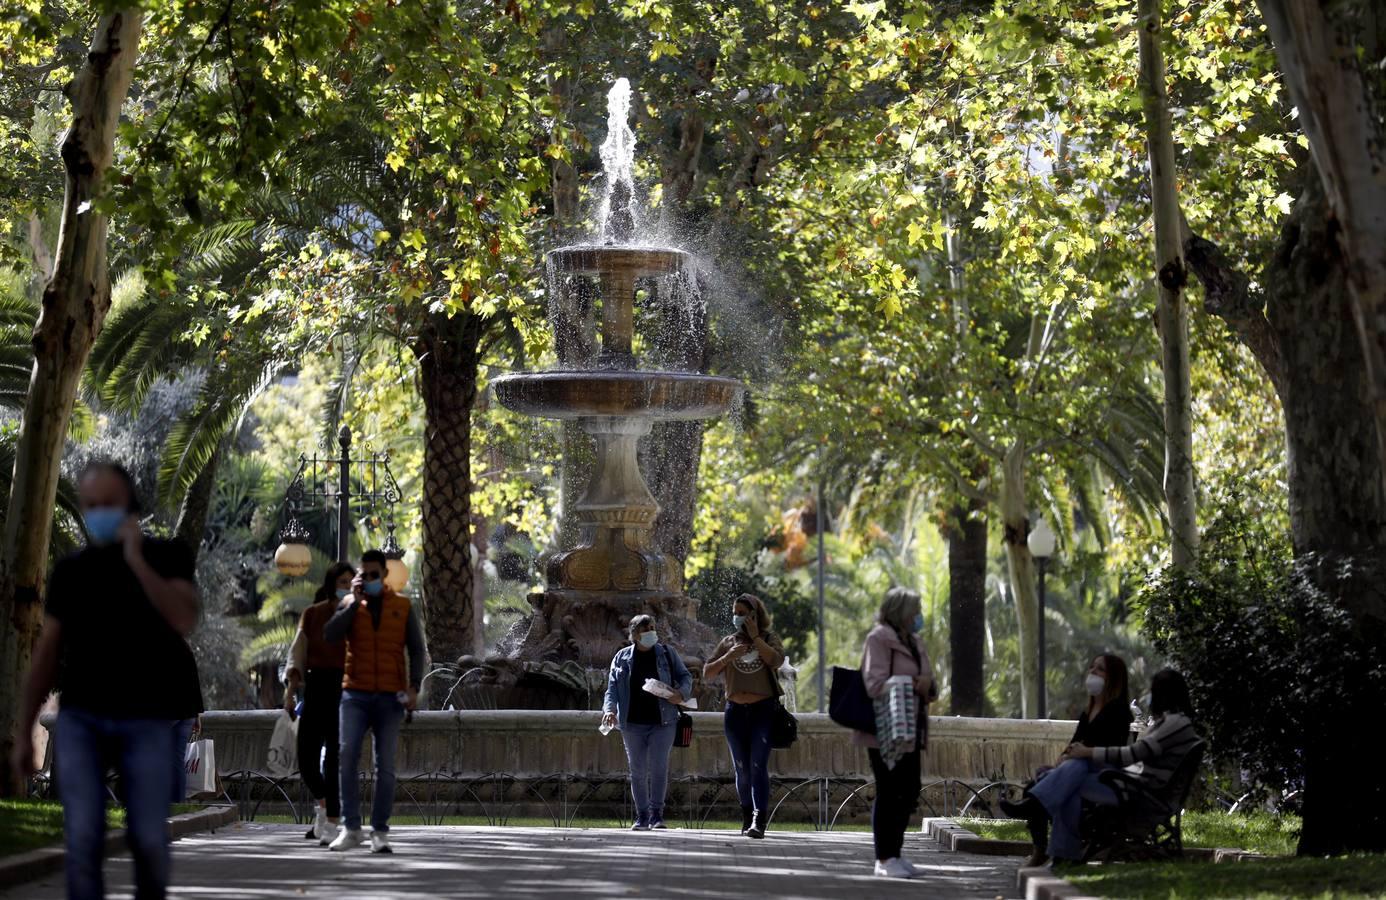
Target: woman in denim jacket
647 722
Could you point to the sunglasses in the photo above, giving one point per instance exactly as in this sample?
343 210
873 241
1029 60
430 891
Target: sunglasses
371 576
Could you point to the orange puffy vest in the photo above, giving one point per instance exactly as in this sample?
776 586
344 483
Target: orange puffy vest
375 656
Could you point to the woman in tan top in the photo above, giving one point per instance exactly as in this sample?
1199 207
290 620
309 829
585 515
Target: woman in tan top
747 660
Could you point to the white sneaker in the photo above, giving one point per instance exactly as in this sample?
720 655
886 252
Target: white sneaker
329 833
380 842
893 868
319 823
909 867
349 838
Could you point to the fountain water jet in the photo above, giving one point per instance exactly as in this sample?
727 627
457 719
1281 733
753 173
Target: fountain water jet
614 571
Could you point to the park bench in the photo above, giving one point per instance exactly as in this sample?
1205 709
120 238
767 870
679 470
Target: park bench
1145 823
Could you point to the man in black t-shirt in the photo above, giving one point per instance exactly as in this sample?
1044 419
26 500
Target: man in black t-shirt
112 644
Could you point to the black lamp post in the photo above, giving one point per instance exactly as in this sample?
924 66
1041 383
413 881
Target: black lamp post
365 479
1041 543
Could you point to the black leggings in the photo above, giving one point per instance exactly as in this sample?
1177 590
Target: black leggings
319 728
897 794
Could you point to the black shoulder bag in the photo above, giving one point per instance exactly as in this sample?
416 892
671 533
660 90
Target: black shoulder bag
683 729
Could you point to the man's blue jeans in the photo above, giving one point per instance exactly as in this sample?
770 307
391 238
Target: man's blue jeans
1062 791
647 751
747 726
141 751
381 713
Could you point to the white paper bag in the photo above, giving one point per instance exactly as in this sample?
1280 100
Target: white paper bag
283 747
200 764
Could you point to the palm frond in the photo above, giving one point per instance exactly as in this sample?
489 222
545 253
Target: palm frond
270 646
222 249
136 349
219 411
334 405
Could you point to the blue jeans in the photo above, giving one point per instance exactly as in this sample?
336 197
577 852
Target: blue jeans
747 726
1062 791
141 751
382 713
647 751
182 733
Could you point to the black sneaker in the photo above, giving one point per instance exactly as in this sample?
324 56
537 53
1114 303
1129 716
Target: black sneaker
657 823
312 834
1026 809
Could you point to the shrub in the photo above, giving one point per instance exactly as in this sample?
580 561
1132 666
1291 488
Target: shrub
1271 654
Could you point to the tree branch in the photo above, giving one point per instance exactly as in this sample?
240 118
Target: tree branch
1228 294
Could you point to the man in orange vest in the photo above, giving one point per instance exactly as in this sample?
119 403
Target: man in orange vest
378 626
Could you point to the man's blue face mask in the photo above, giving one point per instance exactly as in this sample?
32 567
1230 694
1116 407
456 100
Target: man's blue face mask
373 588
103 523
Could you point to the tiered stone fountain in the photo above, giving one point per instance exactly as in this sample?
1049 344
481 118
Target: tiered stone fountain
613 572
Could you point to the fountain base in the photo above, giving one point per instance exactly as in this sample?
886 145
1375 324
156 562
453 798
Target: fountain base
559 655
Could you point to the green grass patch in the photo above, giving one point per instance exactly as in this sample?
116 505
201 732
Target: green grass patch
1259 832
30 824
1340 878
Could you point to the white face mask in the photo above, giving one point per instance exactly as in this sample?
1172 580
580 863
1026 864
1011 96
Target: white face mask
648 639
1095 684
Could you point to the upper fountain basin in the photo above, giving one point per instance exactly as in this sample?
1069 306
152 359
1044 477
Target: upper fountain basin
602 259
632 393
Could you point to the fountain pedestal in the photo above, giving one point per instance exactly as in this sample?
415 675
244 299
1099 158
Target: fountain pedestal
615 516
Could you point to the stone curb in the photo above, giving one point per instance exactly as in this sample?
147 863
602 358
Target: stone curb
1039 883
33 864
953 836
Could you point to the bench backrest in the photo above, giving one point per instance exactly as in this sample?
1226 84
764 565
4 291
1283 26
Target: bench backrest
1176 790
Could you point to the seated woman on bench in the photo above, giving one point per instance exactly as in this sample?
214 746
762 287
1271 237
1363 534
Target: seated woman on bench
1105 723
1059 796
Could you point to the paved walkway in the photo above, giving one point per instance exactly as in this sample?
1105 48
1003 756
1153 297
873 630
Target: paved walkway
275 861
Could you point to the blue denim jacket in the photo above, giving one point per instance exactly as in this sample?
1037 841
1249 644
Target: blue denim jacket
671 671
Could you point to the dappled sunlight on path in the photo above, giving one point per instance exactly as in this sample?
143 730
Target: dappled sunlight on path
275 861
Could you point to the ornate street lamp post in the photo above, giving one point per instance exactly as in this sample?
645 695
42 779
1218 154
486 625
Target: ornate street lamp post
1041 543
366 479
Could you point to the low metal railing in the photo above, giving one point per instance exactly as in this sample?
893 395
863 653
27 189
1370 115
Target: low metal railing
435 797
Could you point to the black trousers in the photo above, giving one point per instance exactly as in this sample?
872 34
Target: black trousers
318 729
897 794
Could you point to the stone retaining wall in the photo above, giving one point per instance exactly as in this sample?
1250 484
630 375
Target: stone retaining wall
534 743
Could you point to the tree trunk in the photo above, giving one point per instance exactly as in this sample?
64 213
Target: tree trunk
75 304
1015 521
1171 310
1337 493
449 355
197 504
1324 52
1337 496
967 608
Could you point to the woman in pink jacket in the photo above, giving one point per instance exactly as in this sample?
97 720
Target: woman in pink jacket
893 648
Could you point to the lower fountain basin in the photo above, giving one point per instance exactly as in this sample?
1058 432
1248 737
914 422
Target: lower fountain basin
637 394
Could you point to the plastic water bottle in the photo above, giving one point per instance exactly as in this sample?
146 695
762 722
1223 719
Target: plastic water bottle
605 727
